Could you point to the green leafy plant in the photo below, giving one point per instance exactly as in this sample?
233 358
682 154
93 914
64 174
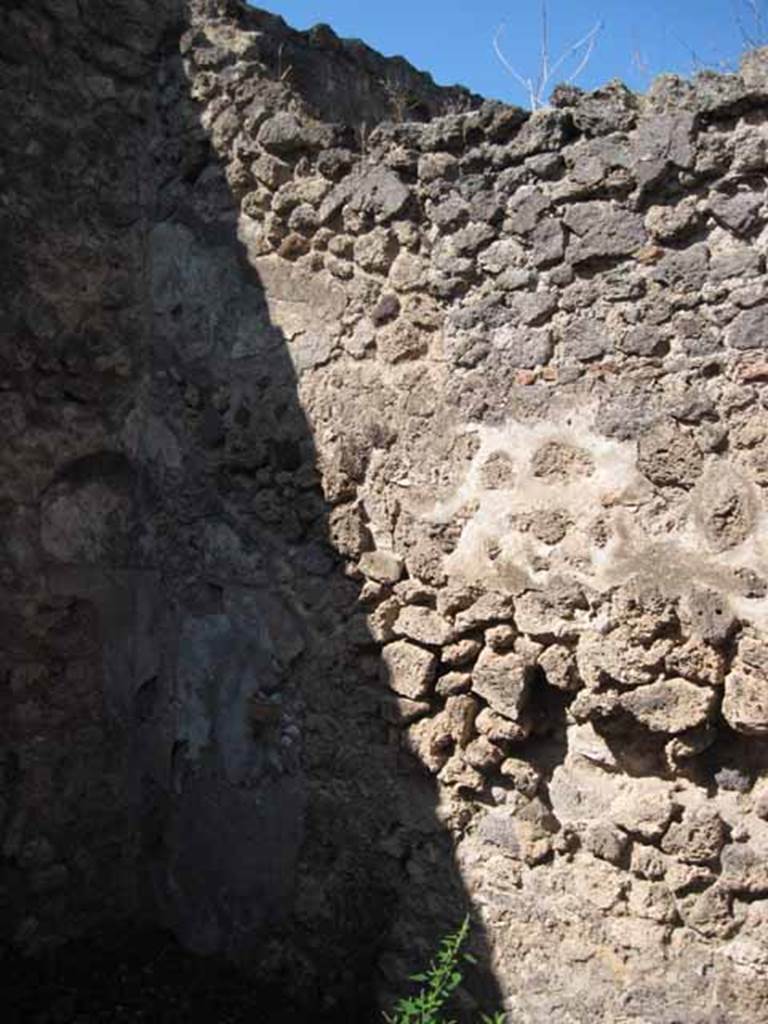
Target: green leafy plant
438 983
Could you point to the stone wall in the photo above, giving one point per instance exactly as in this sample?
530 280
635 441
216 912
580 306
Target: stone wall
384 511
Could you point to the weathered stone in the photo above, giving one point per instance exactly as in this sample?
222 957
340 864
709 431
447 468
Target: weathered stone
408 669
668 223
745 704
284 134
305 358
384 566
709 614
526 348
640 341
525 208
607 843
744 870
498 471
407 272
461 652
725 507
559 666
401 342
669 457
549 612
483 755
652 900
661 141
710 913
428 740
500 638
533 308
670 705
526 840
501 255
381 621
683 270
373 191
548 239
648 863
617 658
602 231
749 330
348 531
271 171
424 625
436 166
376 250
500 729
457 773
698 838
521 775
449 214
504 681
491 607
452 683
460 713
646 814
586 339
739 212
556 461
386 309
402 710
467 240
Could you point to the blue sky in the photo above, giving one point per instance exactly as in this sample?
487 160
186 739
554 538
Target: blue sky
452 38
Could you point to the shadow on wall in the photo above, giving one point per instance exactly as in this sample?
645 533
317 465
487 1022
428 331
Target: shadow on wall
294 830
278 821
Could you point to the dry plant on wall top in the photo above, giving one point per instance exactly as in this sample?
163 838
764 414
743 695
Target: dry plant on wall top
538 87
751 19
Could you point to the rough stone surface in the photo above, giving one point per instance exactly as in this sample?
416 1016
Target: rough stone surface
382 511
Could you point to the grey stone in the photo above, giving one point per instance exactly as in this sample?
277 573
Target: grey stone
659 142
740 212
525 208
640 341
603 231
282 133
548 242
524 348
586 339
375 191
749 330
684 269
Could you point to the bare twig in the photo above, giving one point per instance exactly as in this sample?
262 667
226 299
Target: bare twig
588 44
750 11
283 73
525 83
537 88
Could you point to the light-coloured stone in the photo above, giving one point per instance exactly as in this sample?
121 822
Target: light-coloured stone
504 681
423 625
384 566
408 669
